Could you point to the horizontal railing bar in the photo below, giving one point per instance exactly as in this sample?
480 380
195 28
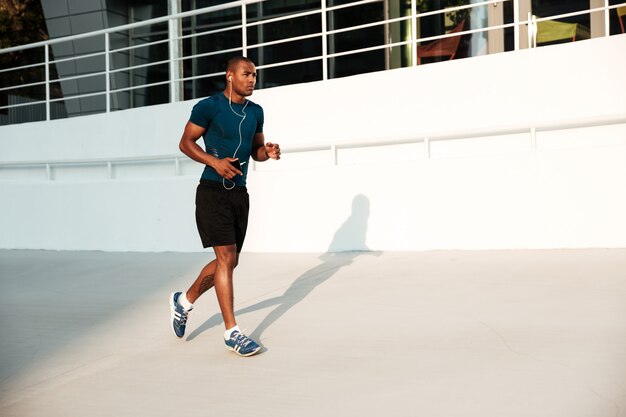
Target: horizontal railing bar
199 77
76 97
93 74
13 87
77 57
287 40
143 45
40 64
209 32
457 8
460 134
467 32
605 120
285 17
203 55
94 161
368 49
100 93
78 77
112 71
367 25
30 103
348 5
292 62
136 87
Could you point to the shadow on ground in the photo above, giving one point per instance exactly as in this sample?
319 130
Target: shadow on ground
347 244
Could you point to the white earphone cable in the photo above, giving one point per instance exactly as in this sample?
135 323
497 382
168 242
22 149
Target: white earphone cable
243 117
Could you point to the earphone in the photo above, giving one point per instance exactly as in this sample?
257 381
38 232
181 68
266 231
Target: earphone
243 117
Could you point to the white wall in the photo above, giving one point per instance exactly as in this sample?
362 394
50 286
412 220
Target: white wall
481 193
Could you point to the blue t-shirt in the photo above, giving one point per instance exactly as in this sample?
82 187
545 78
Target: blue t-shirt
222 137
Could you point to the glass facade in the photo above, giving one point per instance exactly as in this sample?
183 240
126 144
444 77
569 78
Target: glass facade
292 42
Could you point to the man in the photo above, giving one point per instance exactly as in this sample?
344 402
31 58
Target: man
232 128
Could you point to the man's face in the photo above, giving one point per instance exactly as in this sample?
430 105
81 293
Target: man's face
244 78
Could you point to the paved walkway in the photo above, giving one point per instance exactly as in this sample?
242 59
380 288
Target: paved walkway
428 334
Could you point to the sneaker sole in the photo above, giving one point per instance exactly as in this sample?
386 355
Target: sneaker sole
172 309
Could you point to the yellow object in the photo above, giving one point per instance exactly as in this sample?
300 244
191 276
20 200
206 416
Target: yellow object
552 31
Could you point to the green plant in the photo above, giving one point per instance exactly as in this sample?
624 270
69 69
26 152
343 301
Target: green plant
22 22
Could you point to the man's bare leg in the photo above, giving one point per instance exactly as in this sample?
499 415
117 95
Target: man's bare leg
225 263
236 341
204 282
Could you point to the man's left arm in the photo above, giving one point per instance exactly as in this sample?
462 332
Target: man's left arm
262 151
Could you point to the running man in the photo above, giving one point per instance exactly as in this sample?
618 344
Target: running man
232 128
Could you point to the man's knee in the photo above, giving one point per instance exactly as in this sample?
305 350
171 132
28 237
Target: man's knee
227 256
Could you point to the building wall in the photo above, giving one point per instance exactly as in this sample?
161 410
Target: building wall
562 189
72 17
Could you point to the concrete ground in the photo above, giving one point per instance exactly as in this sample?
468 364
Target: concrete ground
450 333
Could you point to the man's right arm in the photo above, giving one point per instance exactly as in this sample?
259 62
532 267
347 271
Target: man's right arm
189 146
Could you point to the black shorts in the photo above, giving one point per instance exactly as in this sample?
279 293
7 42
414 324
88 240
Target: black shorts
221 214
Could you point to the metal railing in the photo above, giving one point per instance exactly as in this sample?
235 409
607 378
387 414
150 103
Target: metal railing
176 160
176 56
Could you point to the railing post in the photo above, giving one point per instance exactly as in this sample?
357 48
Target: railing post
107 68
260 80
244 30
170 30
173 31
516 28
414 33
607 23
524 7
387 34
529 34
324 42
47 72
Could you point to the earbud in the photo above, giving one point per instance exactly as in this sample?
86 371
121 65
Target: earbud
230 78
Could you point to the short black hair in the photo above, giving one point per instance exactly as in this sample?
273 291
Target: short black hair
231 64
